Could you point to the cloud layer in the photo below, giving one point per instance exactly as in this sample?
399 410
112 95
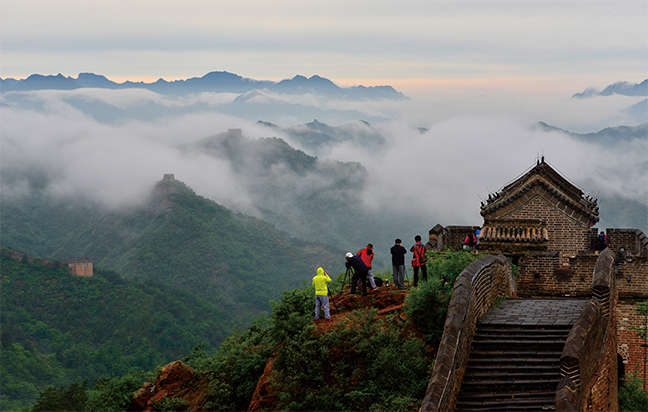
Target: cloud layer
436 176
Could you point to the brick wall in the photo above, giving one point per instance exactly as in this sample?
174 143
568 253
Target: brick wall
628 342
542 274
634 241
475 290
566 234
632 279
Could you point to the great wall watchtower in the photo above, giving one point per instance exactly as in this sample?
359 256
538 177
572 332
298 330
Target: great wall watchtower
545 225
80 266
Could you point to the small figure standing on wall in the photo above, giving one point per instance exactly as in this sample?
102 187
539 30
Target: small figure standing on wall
601 241
470 242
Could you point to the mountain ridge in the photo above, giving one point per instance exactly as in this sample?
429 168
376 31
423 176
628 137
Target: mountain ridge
215 81
623 88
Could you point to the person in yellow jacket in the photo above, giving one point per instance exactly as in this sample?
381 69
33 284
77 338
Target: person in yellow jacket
321 294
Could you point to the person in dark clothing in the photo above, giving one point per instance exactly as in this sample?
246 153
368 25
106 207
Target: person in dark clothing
398 253
359 272
419 260
601 241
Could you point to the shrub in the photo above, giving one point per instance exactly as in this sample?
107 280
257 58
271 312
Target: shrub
71 398
170 405
114 394
362 364
632 397
427 306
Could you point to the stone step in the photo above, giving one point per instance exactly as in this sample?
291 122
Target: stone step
500 361
514 364
510 334
505 375
517 344
538 406
512 368
499 396
516 354
513 327
516 329
505 385
540 403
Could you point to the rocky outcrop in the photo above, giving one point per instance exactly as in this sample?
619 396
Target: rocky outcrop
265 396
175 381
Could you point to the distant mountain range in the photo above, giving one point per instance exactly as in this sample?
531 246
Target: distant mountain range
217 81
607 136
622 88
317 135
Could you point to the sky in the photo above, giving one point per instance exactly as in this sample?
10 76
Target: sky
542 48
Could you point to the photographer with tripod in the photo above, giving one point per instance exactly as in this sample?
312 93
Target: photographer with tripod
360 272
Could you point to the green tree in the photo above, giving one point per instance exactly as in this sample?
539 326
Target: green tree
632 397
642 310
71 398
114 394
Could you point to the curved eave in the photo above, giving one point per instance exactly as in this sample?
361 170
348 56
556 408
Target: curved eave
587 210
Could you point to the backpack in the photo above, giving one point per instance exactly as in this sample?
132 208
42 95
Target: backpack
421 256
471 240
601 238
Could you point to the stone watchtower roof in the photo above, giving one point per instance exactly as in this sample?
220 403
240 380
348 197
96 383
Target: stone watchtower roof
542 180
558 191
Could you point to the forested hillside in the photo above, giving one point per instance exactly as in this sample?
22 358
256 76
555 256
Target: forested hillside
181 239
58 328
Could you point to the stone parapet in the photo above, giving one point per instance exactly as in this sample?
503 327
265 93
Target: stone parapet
475 290
588 361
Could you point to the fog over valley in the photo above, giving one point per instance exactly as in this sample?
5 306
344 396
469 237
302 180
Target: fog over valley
402 165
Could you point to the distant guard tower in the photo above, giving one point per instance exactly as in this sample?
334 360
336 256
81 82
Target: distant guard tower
80 266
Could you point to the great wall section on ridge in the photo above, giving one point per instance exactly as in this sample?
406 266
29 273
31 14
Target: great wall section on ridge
525 354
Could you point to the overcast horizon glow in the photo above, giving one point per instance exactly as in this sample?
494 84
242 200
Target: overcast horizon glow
419 47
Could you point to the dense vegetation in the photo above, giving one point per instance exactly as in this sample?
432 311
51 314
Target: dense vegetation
632 396
58 328
427 306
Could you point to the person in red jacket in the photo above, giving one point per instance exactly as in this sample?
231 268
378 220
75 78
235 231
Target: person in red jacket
419 261
367 256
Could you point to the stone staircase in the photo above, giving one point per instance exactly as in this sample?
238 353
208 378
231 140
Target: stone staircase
514 364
